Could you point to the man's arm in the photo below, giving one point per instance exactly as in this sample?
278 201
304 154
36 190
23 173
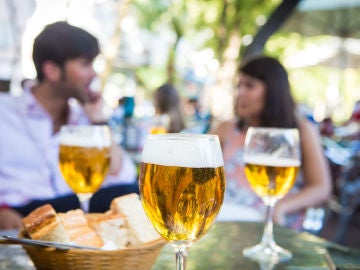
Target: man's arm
93 108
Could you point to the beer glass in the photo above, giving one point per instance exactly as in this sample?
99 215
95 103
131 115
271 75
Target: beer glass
159 124
84 158
272 160
182 185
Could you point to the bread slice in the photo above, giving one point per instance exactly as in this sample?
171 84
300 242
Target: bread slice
73 219
140 229
112 230
78 229
44 224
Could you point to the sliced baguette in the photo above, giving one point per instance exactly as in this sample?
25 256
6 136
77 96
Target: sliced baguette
140 229
44 224
78 229
111 228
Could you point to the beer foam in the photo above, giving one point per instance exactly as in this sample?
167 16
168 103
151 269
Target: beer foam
86 139
178 150
271 161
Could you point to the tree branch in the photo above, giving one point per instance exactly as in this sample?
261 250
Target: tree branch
276 19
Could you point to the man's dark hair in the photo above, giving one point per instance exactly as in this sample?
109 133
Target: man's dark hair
59 42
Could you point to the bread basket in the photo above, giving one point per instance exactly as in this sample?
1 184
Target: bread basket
140 258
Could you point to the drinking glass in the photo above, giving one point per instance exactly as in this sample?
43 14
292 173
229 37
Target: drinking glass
159 124
272 160
182 185
84 158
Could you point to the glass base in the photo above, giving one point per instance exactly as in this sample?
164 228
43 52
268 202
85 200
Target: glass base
269 254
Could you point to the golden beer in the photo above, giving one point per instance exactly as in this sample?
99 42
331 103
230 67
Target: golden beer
272 157
158 130
181 202
84 168
271 181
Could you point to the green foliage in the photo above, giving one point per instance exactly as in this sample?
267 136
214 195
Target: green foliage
219 19
150 12
212 23
150 78
316 83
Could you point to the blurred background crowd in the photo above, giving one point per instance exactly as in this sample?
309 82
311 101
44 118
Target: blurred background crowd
169 66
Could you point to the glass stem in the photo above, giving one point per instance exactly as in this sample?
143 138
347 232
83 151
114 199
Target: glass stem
85 205
85 201
181 253
268 235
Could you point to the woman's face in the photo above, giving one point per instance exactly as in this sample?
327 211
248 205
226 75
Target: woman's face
250 99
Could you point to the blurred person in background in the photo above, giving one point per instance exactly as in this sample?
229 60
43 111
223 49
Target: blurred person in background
353 124
355 116
348 133
197 120
327 127
263 99
29 140
168 112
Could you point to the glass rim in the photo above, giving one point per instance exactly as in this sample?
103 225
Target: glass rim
70 126
181 135
273 128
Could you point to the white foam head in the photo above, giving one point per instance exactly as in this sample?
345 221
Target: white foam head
274 161
184 150
85 136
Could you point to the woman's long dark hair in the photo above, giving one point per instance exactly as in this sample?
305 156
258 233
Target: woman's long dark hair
279 110
167 101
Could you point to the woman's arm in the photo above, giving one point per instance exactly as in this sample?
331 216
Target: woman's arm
316 173
221 130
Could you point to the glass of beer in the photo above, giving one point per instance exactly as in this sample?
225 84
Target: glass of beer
272 161
160 124
182 185
84 158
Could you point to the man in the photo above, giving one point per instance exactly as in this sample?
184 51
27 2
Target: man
29 173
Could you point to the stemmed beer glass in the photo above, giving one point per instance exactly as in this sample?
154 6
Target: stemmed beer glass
182 185
272 160
84 158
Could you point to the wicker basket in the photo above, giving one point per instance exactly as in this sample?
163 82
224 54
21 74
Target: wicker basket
139 258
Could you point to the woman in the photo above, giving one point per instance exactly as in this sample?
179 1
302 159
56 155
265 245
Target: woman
167 103
263 98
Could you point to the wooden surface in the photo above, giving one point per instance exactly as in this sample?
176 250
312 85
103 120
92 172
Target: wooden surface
222 249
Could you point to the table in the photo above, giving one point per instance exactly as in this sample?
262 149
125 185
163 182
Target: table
222 248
